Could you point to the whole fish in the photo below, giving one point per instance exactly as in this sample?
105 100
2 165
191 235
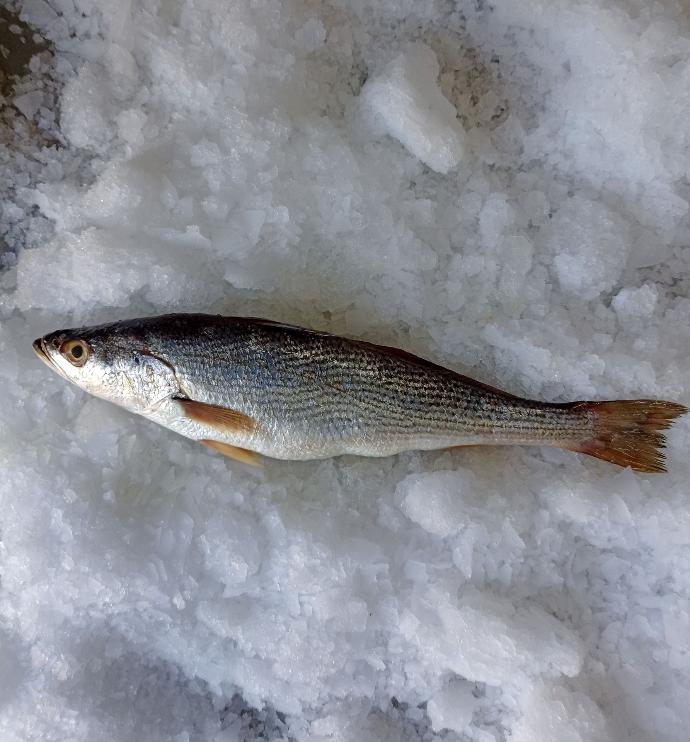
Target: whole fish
244 386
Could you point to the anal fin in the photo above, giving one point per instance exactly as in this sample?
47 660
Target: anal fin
234 452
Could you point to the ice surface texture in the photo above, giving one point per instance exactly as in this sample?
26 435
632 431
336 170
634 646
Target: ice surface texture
268 158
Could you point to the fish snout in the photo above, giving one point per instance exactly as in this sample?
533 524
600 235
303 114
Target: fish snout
39 348
42 347
48 344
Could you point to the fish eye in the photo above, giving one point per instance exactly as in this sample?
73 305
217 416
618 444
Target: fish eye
75 351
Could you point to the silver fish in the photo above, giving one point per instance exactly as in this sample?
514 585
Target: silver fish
245 386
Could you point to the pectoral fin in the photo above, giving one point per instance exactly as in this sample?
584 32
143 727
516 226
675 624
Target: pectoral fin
239 454
224 420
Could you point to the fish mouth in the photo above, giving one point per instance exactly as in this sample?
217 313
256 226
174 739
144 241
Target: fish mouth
40 350
39 347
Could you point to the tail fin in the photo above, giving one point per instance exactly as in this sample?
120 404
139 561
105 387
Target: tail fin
627 432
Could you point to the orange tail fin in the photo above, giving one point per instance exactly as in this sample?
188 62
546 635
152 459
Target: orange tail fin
628 432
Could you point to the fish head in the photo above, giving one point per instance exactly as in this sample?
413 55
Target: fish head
111 362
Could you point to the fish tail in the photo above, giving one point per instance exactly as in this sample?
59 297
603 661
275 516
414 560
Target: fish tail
629 432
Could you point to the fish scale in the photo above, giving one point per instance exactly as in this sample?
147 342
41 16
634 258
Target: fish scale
360 385
248 384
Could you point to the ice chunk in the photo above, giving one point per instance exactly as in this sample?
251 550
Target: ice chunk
29 103
553 713
590 247
122 68
405 98
130 124
435 501
631 304
103 264
495 218
517 255
486 639
85 110
452 707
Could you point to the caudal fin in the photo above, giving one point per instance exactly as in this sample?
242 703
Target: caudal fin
628 432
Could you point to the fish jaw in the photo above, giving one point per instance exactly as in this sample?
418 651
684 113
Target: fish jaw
41 350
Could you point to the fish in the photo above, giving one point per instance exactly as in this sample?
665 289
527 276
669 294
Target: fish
249 387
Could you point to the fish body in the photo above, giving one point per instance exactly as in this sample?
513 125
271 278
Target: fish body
252 385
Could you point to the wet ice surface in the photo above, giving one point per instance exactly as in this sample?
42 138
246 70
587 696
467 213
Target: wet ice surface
153 590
